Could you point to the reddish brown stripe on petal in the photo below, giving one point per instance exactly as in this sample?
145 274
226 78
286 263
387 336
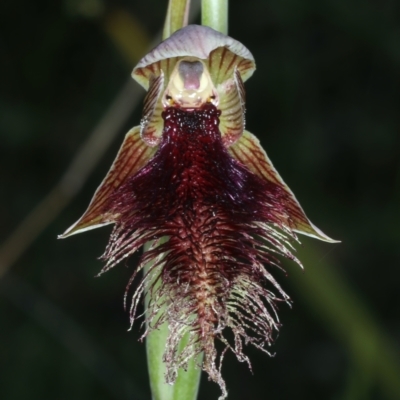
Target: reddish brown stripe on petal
222 59
210 61
231 64
248 157
140 72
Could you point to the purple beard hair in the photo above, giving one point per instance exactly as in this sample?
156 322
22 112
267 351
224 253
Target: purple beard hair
223 225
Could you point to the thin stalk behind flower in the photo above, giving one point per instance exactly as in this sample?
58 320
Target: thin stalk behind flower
187 382
177 16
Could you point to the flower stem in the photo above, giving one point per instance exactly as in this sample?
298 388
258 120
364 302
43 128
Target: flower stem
187 383
214 13
155 346
177 16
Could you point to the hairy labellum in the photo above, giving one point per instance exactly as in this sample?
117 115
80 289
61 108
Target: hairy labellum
220 219
191 174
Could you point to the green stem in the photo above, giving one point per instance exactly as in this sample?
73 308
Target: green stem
214 13
155 347
177 16
187 383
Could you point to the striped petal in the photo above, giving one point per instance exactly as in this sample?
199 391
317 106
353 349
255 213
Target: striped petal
232 107
132 156
249 152
222 64
152 122
222 52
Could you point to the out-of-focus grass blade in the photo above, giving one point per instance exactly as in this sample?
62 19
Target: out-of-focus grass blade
337 305
127 34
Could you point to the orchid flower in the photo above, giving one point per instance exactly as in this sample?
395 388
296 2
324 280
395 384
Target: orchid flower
191 180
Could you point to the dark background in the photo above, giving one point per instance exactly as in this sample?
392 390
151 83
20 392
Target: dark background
325 103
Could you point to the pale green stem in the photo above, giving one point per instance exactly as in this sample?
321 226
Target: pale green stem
155 347
177 16
187 383
214 13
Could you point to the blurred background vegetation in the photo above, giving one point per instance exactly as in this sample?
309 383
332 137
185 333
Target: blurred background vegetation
325 103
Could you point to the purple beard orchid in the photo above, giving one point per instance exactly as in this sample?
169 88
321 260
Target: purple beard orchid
192 175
